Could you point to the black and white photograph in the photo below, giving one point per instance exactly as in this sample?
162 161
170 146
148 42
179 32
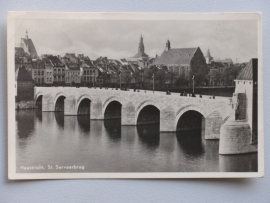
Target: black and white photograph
134 95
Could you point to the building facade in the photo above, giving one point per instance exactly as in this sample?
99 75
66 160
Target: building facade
183 63
38 72
48 77
73 72
88 69
58 70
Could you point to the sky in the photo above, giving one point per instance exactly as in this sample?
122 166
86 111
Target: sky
117 39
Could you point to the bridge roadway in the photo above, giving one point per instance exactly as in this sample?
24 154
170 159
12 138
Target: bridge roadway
171 107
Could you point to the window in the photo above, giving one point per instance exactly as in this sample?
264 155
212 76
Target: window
35 73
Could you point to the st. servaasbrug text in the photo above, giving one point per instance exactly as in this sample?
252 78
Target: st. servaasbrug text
51 167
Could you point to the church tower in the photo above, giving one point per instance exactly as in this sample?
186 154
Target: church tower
141 53
28 46
26 34
141 46
208 57
168 45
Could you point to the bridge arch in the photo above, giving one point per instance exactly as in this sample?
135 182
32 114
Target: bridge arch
185 109
57 96
146 103
82 98
37 95
153 108
59 101
38 100
109 100
112 108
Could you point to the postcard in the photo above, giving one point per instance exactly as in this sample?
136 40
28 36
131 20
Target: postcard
134 95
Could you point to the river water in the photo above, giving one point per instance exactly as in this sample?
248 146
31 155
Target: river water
49 142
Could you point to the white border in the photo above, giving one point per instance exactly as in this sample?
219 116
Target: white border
126 16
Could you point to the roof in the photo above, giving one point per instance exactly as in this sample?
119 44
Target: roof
24 59
224 60
70 64
55 61
39 64
72 57
30 47
21 74
47 62
140 55
176 56
247 72
87 63
19 52
215 64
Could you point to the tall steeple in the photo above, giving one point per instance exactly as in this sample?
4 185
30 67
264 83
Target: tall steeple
141 46
208 57
141 53
26 34
168 45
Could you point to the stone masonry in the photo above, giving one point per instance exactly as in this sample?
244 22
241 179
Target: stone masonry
171 107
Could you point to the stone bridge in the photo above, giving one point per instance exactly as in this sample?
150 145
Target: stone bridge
213 111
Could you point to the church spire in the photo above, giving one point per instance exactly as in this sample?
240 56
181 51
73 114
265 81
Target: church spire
141 52
26 34
168 45
141 46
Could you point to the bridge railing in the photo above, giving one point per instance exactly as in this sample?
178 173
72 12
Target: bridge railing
157 93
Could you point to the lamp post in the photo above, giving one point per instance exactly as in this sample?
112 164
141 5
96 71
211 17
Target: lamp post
153 82
193 84
93 75
120 80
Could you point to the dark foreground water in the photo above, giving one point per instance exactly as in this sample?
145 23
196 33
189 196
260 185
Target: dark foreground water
51 142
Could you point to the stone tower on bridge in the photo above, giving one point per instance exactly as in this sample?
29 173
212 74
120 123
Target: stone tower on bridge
239 134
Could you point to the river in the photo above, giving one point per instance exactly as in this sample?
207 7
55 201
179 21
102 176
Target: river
49 142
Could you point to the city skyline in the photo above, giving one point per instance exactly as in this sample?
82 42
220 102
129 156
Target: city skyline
120 39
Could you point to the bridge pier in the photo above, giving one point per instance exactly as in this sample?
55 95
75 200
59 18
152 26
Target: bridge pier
96 110
128 114
70 106
212 125
167 120
47 103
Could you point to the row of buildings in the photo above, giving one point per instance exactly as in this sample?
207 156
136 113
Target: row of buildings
174 67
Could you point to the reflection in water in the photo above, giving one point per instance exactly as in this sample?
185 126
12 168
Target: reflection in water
191 143
59 117
113 127
25 122
84 123
149 135
110 147
38 114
